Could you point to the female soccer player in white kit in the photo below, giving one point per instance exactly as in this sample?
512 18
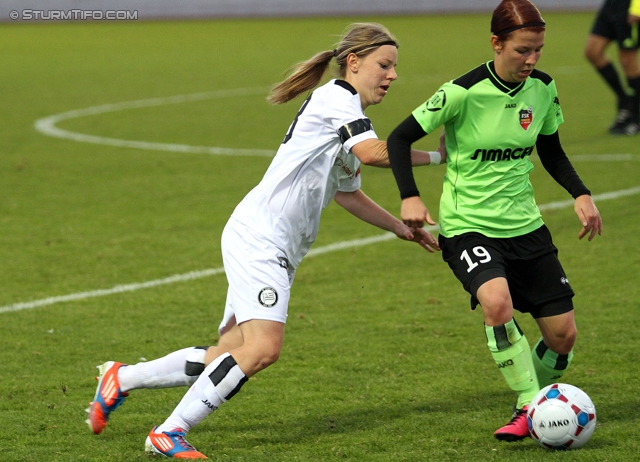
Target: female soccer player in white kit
272 229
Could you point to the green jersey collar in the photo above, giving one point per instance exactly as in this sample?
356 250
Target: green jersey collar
510 88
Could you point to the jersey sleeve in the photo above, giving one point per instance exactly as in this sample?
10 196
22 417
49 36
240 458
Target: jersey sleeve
350 123
634 8
554 115
352 127
442 107
351 185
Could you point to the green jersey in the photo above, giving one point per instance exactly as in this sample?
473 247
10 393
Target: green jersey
490 132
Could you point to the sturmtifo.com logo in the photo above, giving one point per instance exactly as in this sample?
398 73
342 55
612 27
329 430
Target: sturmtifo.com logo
74 15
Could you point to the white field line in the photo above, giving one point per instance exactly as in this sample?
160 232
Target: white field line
114 290
313 252
184 277
603 157
47 125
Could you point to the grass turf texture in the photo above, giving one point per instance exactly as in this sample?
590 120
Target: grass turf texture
382 358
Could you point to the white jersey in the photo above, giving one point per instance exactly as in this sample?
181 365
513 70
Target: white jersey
313 163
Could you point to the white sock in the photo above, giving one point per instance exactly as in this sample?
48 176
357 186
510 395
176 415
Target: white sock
180 368
218 383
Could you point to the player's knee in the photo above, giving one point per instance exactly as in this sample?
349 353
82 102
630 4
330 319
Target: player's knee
497 309
569 339
263 359
589 55
562 341
265 354
270 357
591 52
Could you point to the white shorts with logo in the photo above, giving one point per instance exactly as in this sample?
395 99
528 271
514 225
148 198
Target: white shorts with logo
258 274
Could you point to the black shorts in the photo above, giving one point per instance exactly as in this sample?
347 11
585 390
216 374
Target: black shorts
529 263
611 23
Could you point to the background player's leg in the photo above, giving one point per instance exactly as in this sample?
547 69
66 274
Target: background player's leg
629 62
595 52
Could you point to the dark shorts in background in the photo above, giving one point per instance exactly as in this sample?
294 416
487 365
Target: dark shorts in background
536 279
611 23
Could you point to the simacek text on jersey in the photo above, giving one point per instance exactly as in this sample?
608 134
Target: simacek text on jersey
498 154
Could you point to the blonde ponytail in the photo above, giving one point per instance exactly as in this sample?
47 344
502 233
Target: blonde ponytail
359 38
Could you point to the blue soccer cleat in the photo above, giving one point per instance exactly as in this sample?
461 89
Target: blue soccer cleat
108 396
171 444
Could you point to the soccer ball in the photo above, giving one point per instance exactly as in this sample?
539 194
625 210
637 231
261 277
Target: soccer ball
561 416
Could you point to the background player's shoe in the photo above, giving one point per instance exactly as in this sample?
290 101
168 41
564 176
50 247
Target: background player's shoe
108 396
623 119
632 128
516 429
628 119
171 444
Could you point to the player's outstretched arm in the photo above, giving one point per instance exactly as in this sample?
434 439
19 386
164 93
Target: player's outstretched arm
589 216
374 152
437 157
360 205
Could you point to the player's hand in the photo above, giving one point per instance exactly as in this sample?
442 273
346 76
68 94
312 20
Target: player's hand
414 213
589 216
425 239
419 235
632 19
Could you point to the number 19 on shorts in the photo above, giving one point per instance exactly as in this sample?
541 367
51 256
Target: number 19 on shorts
479 252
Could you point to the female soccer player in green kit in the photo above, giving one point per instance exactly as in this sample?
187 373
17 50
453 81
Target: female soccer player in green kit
491 231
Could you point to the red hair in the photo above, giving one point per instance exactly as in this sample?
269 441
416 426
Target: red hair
511 15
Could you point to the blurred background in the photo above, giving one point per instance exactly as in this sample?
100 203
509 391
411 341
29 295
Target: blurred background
154 9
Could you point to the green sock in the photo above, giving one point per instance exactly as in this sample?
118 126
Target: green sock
549 365
510 351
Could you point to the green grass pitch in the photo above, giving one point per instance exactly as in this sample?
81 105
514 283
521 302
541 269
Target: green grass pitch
382 359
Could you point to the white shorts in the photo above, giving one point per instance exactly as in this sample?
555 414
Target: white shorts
259 276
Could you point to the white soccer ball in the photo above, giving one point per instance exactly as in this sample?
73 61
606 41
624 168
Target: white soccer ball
561 416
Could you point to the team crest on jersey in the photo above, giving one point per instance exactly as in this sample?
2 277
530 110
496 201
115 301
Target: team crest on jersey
268 297
526 117
437 101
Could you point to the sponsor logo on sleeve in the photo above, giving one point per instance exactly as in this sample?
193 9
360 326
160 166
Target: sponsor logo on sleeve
437 101
556 102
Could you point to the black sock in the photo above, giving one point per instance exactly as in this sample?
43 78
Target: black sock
634 84
610 75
